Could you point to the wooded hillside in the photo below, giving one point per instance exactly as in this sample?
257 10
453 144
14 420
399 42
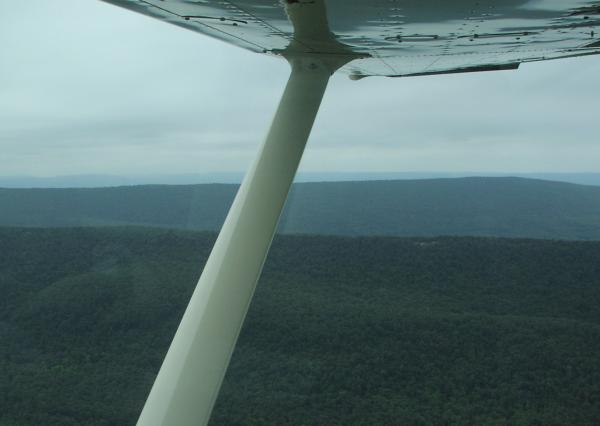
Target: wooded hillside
502 207
361 331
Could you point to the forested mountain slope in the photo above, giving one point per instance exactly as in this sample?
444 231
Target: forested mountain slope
361 331
507 207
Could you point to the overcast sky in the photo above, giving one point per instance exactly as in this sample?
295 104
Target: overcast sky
88 88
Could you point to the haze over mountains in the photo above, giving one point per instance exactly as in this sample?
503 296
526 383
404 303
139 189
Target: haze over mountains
100 180
500 206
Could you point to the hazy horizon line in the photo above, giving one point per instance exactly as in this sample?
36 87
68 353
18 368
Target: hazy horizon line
112 180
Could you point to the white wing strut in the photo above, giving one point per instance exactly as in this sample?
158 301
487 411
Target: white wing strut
188 383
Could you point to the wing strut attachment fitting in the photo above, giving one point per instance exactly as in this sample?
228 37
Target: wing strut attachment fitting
188 383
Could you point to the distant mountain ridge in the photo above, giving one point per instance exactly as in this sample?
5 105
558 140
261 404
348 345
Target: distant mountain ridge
503 207
100 181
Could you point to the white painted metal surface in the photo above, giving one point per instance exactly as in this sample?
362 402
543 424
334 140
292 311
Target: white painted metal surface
188 382
401 37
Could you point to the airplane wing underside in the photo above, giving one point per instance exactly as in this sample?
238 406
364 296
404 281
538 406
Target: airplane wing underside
401 37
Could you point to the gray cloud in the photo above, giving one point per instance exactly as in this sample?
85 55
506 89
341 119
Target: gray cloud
89 88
